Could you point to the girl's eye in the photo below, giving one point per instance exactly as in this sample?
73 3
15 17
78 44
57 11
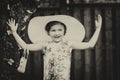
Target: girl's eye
53 30
60 30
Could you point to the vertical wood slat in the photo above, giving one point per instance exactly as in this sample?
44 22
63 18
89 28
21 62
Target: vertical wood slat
78 65
103 65
87 25
108 45
99 59
37 65
93 60
78 55
114 29
99 54
117 43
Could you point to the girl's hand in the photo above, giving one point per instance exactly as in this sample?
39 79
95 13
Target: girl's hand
98 22
12 24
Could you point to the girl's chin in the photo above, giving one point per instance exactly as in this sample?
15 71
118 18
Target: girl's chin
57 41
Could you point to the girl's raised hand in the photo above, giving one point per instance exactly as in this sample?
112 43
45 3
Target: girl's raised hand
98 21
12 24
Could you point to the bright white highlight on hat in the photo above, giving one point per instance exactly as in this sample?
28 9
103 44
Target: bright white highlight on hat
36 28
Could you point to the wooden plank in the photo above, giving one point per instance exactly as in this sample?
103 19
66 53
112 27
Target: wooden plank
117 44
93 54
78 67
78 56
100 49
99 59
87 24
109 45
37 65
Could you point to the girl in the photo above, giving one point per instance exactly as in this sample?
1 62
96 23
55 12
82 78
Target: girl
57 52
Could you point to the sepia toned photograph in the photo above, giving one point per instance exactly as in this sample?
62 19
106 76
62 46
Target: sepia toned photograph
59 39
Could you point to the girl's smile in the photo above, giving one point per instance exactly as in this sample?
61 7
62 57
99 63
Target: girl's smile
56 33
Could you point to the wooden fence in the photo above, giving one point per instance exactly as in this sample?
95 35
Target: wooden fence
98 63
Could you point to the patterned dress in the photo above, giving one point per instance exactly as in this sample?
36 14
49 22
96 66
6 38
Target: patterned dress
57 61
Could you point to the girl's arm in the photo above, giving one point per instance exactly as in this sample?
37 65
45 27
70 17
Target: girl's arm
32 47
93 40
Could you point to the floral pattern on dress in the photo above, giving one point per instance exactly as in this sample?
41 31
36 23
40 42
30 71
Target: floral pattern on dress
57 61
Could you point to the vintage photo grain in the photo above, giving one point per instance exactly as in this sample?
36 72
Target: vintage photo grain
59 39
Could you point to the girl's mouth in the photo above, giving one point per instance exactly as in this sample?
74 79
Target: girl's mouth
57 36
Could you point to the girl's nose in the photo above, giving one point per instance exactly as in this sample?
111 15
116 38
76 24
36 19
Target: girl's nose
56 34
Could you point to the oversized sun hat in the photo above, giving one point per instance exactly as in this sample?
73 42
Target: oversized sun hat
36 28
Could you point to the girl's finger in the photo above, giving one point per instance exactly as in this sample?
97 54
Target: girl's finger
14 20
95 21
99 17
16 24
11 20
8 20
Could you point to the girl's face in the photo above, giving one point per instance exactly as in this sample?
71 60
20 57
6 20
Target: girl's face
56 33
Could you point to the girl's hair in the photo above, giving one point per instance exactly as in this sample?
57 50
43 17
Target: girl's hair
52 23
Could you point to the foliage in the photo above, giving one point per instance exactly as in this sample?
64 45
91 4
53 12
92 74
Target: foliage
10 52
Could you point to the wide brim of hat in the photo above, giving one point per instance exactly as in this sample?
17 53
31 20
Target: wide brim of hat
37 33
